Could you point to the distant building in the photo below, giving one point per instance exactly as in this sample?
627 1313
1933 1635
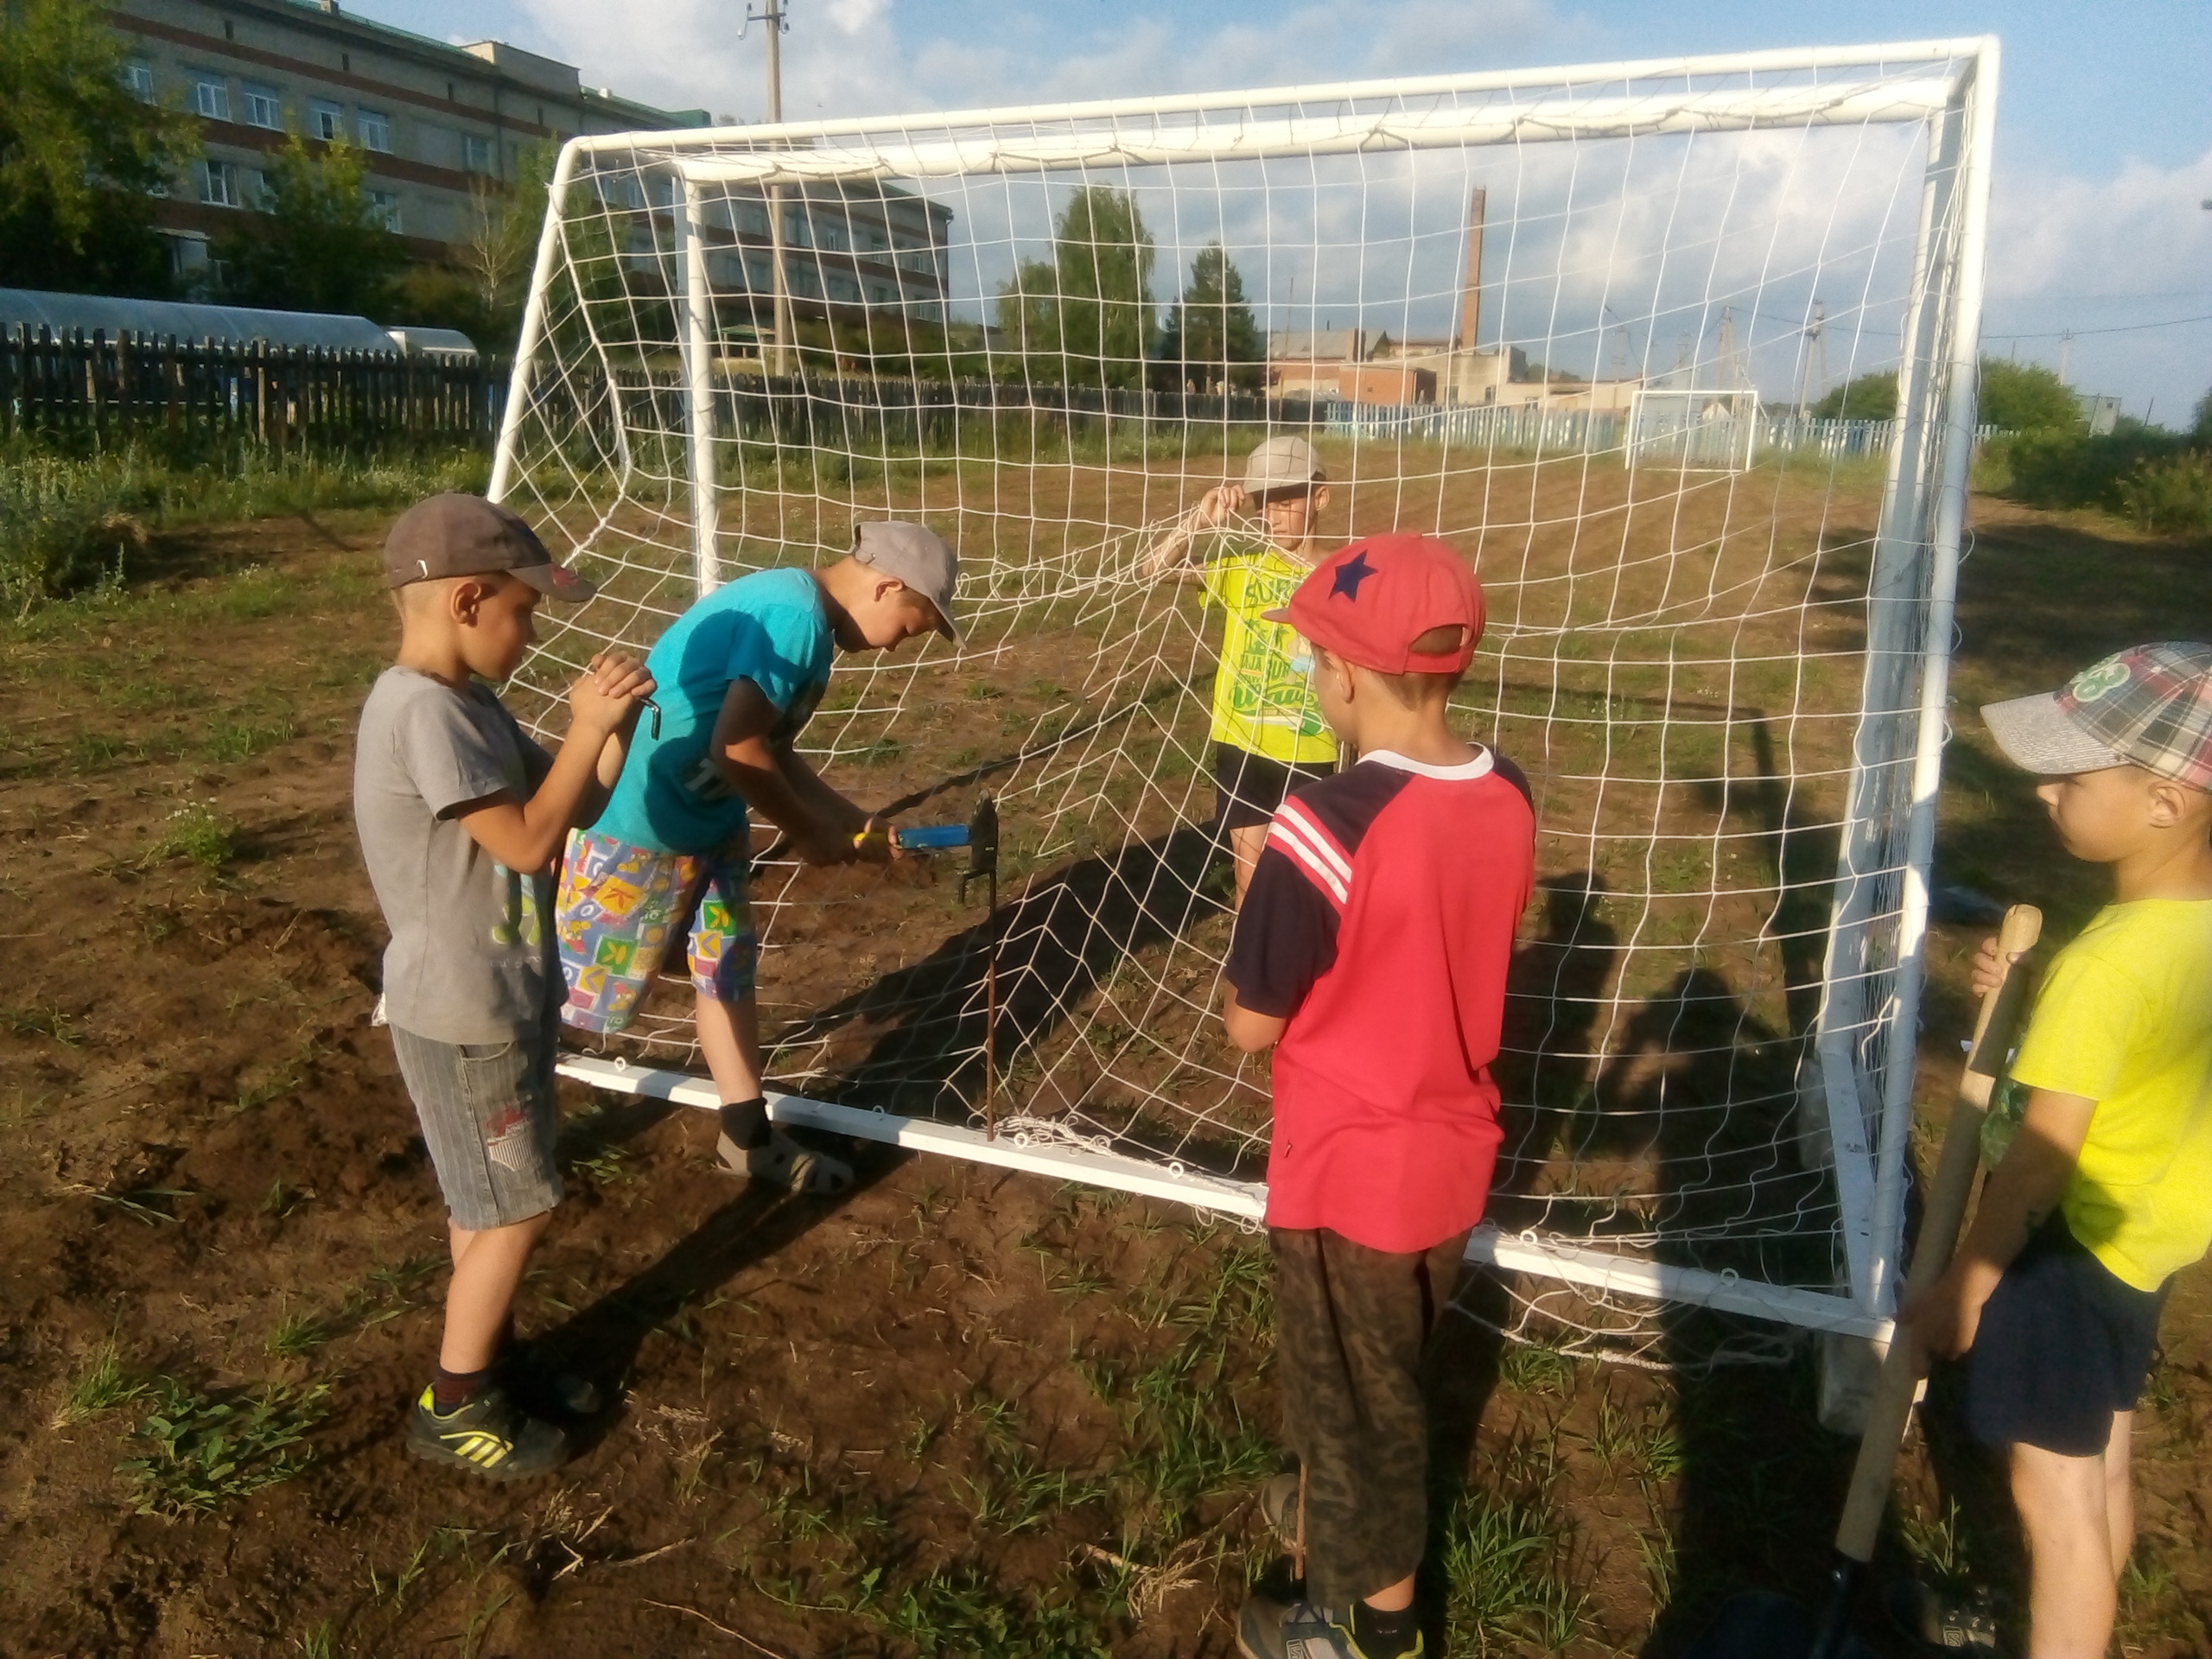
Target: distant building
440 125
437 123
2099 412
194 324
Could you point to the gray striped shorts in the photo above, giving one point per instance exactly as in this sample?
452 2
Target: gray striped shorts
487 1112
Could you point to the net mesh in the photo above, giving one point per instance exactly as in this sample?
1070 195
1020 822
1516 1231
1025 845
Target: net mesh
1048 335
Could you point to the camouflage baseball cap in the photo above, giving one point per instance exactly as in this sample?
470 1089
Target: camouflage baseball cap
2149 706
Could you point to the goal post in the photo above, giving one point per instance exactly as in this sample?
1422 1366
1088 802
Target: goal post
1046 331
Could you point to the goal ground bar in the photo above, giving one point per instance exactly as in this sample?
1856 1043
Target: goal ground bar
1575 1264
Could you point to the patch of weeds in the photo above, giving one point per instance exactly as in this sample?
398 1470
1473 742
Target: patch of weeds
207 1451
1533 1368
284 1198
243 740
961 1611
882 752
195 831
1937 1545
138 1202
321 1642
1505 1560
99 1388
49 1022
296 1335
95 752
984 691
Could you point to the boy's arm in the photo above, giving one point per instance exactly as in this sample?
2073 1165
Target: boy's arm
527 834
2019 1196
780 785
1286 938
1248 1031
1171 553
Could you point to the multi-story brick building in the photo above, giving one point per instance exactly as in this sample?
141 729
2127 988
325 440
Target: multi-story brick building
441 125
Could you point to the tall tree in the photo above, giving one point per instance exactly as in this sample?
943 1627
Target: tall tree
2026 397
81 158
1211 337
319 243
1087 318
1870 397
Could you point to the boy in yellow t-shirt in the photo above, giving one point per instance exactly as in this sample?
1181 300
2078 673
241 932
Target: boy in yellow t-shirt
1267 734
2106 1192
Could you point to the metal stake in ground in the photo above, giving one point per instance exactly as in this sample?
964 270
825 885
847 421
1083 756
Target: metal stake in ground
983 861
1762 1626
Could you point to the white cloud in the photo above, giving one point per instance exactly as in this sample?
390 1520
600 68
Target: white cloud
2067 252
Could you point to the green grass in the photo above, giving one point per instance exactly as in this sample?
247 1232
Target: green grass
198 831
98 1388
51 1023
204 1451
77 523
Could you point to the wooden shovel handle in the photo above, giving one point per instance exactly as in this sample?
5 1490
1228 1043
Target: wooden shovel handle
1944 1210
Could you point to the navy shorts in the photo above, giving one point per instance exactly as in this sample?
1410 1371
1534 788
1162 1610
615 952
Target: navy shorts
1248 787
2062 1344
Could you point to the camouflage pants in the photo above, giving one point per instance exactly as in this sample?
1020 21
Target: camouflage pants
1352 1328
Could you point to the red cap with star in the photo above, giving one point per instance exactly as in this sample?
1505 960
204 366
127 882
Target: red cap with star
1368 603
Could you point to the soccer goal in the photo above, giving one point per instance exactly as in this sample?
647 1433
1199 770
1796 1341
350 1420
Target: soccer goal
1692 431
1046 331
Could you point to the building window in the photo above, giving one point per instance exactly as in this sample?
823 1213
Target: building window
384 208
211 96
326 121
138 78
258 195
219 184
752 217
263 108
475 153
376 130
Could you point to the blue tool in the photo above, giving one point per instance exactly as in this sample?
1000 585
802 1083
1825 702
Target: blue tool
929 837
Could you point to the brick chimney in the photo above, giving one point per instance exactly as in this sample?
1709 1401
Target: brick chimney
1471 291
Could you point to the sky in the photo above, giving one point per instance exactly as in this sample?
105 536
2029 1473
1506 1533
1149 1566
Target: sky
2104 115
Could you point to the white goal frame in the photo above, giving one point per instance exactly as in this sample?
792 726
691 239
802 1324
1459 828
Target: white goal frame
1858 1094
1705 442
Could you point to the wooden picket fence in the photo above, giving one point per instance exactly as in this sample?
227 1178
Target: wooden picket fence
79 388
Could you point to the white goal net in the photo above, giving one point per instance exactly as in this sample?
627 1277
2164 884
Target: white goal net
1521 312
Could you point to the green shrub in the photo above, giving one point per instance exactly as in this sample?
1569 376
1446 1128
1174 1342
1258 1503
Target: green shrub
2174 495
64 523
2071 469
67 521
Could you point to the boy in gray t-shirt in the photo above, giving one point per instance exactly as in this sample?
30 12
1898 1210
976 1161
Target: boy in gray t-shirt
460 818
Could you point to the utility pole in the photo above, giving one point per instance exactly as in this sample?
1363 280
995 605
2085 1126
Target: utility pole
779 358
2066 357
1816 346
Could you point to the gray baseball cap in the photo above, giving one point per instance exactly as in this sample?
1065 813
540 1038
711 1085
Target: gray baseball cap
1283 463
916 556
457 535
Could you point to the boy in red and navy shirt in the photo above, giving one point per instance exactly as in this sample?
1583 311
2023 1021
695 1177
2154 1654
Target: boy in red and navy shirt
1370 954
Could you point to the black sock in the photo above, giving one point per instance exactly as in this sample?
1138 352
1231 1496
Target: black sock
1385 1636
746 1122
451 1389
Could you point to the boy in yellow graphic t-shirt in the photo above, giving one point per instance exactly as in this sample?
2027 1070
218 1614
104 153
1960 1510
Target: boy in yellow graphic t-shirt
2106 1190
1268 733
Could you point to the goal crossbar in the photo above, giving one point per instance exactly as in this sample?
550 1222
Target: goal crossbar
1592 1270
1559 119
1784 61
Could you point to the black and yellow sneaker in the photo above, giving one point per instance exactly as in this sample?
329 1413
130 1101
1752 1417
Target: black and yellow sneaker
488 1433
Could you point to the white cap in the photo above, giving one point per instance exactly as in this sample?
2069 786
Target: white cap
1283 463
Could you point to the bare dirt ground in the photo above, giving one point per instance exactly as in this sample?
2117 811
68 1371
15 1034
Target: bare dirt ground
953 1411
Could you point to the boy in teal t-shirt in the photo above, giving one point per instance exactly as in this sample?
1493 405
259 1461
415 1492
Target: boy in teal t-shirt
669 861
2105 1190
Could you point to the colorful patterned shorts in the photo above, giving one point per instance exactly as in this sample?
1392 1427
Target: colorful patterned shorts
621 910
